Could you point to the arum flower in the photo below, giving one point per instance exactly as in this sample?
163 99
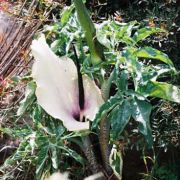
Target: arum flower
58 89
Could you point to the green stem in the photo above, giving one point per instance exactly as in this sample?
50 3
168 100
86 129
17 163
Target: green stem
87 25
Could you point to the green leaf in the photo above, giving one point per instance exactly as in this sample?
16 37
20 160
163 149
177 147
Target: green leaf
110 33
123 33
124 30
54 157
123 81
119 118
149 52
133 65
7 131
103 39
42 157
29 98
116 161
73 154
141 111
21 153
143 33
105 108
37 114
66 14
161 90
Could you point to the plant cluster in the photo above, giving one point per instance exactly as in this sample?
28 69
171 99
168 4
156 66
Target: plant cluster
111 55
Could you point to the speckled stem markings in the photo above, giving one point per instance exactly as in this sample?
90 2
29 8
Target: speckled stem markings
104 128
104 144
89 153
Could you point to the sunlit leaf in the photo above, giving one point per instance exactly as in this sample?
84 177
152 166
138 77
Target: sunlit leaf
161 90
22 151
37 114
103 39
66 13
149 52
54 157
133 65
110 33
123 33
87 25
143 33
73 154
42 157
125 29
122 81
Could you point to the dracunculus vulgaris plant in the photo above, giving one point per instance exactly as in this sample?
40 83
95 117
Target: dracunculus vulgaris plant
63 93
67 95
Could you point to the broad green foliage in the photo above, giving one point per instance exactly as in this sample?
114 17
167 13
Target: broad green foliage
130 66
105 108
66 13
106 48
87 25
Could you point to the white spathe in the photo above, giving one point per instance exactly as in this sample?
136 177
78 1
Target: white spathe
59 176
57 87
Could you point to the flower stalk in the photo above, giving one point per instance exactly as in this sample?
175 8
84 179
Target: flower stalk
89 153
104 128
97 56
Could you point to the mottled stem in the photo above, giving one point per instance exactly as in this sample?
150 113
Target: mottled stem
104 144
89 153
104 128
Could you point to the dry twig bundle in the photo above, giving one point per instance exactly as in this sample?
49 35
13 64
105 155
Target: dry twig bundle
16 30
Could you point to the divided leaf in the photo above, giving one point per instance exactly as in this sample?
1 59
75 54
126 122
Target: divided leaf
149 52
116 161
66 14
119 118
161 90
141 111
29 98
105 108
143 33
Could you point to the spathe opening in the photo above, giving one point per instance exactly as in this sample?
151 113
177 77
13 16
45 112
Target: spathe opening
78 117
